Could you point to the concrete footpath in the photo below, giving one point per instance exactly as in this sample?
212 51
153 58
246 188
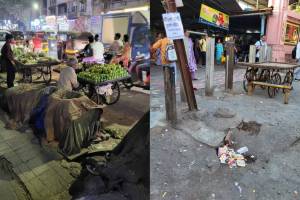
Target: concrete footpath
33 172
184 162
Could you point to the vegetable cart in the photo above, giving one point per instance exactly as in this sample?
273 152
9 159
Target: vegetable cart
106 92
272 76
44 68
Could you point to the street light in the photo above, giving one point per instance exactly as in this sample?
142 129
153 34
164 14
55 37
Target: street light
35 6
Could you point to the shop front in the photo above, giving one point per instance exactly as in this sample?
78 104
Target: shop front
283 29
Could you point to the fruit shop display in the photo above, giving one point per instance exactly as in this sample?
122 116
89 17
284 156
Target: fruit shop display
30 58
100 73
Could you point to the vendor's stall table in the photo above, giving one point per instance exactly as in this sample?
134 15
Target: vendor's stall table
43 67
91 89
272 76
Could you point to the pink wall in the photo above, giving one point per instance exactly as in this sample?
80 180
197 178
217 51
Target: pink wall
276 29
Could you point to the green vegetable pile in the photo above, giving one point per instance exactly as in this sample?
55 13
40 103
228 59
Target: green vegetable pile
30 58
101 73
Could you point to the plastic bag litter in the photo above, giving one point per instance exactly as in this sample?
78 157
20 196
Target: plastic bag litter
230 157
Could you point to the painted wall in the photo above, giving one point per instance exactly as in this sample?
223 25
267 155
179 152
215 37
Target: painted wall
276 29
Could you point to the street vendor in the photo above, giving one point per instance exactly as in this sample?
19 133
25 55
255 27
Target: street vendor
8 60
68 77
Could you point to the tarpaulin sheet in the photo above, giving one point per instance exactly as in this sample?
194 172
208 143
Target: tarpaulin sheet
72 119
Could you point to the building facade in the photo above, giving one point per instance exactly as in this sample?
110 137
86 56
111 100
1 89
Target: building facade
283 28
76 8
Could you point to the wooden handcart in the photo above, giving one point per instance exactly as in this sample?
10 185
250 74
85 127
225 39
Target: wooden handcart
44 68
272 76
90 89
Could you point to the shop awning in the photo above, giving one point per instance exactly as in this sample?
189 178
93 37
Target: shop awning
191 11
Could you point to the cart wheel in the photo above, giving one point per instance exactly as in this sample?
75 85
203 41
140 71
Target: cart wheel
246 80
277 81
96 98
265 77
112 99
47 75
271 92
128 83
27 77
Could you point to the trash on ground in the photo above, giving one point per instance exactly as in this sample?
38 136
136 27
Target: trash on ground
252 126
228 138
242 150
239 187
230 157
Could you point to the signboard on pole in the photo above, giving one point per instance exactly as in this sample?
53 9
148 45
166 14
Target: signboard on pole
213 17
173 26
62 23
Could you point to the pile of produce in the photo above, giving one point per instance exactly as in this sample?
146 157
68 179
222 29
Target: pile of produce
29 57
100 73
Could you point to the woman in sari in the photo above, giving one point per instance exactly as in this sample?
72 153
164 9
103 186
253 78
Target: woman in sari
126 55
189 48
219 52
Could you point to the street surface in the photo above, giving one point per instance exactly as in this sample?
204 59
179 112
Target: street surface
184 162
42 173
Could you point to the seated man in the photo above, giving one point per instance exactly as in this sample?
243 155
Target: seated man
68 77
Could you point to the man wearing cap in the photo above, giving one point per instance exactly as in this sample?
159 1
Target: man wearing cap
68 77
8 60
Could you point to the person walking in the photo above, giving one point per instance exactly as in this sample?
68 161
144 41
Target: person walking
189 48
219 52
297 71
117 44
259 46
8 60
202 46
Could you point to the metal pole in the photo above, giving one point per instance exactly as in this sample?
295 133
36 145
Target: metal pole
183 64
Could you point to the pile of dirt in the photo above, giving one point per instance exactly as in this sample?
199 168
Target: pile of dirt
252 127
125 174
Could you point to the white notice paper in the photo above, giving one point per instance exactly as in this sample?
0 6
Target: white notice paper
173 26
179 3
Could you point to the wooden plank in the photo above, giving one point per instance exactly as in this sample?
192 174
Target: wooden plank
252 54
183 64
271 85
170 93
210 65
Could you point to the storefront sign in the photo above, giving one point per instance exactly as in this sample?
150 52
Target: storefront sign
96 24
51 24
173 26
213 17
62 23
291 33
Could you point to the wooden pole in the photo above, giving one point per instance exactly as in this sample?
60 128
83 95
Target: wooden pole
210 65
229 65
262 54
170 93
269 54
252 54
183 64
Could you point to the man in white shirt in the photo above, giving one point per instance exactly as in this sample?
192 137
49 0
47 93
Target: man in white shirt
297 71
259 45
98 49
68 77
